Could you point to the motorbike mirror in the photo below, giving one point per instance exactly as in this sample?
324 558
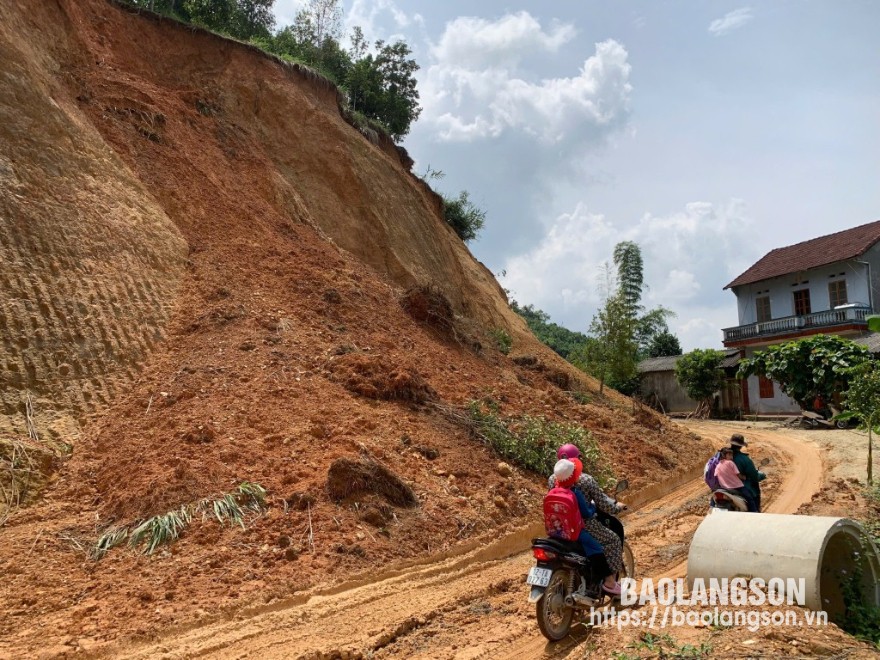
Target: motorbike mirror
621 486
764 461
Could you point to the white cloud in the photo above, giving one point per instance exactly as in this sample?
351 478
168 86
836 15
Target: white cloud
689 256
473 43
286 11
367 13
731 21
475 87
564 267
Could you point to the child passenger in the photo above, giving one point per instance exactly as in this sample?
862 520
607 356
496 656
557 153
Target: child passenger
728 476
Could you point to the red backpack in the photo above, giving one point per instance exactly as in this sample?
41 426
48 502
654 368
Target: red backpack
562 516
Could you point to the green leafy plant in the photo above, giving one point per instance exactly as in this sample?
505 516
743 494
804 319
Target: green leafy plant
862 400
665 646
699 373
609 353
253 495
531 442
161 529
861 620
108 540
502 340
465 217
872 524
821 365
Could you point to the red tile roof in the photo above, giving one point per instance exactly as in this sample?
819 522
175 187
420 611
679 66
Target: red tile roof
840 246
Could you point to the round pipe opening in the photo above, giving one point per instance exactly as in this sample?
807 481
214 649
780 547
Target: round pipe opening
848 573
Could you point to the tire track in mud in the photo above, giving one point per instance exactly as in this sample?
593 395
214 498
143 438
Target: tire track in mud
473 606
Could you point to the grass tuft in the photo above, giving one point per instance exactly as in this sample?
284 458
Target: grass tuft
167 527
161 529
108 540
253 496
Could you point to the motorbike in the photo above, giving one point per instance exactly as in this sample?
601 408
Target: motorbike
560 572
729 500
828 418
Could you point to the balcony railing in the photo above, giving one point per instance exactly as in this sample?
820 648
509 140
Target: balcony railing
788 324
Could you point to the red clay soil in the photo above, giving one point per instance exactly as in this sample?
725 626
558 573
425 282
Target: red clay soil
284 354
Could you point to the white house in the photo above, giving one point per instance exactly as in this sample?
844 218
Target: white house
825 285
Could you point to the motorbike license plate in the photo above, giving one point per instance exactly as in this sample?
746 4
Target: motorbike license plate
540 577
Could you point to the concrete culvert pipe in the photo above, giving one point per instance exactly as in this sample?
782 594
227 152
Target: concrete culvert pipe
825 551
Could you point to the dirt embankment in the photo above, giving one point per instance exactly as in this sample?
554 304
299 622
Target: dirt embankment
205 274
475 606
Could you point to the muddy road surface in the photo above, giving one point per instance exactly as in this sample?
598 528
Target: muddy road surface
474 606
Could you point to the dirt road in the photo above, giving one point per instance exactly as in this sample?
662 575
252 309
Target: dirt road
474 606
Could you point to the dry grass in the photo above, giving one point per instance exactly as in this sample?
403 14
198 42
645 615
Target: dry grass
24 469
374 377
428 304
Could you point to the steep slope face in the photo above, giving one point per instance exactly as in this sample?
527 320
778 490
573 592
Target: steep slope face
279 240
90 262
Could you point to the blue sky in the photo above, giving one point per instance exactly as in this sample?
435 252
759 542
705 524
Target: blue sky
707 132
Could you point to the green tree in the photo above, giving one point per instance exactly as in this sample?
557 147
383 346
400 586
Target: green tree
382 86
630 283
319 21
624 334
610 351
651 325
862 400
242 19
663 344
562 340
630 275
463 216
700 374
820 365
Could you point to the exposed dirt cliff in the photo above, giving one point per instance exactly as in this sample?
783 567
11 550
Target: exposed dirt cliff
202 273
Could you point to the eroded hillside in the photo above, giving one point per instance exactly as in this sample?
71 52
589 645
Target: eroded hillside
203 269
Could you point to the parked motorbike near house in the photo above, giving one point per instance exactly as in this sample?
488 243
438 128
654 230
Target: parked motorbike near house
559 572
812 420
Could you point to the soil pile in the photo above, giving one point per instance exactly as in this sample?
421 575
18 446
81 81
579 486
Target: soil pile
204 283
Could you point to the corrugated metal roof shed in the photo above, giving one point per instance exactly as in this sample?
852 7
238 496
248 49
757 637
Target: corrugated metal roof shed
667 363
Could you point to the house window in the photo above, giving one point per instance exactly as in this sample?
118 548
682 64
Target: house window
802 302
765 387
837 293
763 306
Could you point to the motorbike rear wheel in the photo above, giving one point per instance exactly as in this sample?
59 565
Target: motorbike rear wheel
554 616
629 562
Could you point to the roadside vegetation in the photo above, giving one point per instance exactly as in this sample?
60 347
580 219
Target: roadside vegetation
700 374
162 529
820 365
531 441
825 368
